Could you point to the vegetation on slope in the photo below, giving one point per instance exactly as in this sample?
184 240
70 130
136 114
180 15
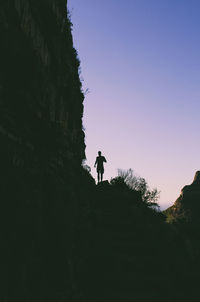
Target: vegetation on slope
63 237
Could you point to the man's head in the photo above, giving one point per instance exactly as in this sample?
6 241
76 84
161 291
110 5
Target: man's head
99 153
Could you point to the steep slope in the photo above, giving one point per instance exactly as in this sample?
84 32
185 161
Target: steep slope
40 91
184 218
62 237
186 208
131 253
42 147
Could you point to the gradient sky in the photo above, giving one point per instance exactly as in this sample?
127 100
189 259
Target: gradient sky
140 60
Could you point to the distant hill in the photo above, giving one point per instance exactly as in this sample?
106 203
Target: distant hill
186 208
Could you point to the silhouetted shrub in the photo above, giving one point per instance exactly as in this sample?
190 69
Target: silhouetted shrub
138 184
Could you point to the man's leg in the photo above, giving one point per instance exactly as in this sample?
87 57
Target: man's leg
101 176
98 173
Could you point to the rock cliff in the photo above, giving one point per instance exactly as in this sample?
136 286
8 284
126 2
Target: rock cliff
62 237
42 148
187 207
41 102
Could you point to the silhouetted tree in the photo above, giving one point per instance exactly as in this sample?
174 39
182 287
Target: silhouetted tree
137 183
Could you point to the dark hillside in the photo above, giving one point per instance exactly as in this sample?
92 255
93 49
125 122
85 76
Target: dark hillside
42 148
63 238
187 206
132 254
183 216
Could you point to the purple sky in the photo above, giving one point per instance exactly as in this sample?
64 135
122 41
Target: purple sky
140 60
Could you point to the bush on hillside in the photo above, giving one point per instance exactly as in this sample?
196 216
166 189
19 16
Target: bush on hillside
139 184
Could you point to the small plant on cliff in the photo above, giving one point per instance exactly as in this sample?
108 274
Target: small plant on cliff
139 184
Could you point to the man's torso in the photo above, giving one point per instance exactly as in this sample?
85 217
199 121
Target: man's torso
100 160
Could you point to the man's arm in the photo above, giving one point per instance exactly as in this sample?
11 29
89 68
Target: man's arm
104 159
95 163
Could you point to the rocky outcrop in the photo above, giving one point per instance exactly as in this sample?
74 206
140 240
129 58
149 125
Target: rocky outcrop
187 207
41 102
42 148
62 237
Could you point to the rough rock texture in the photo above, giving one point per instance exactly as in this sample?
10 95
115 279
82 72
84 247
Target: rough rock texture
42 148
40 91
62 237
187 207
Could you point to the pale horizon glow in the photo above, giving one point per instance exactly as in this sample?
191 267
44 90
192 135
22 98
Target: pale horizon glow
140 60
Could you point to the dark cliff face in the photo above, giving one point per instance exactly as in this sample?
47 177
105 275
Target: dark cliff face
42 148
62 237
187 207
41 102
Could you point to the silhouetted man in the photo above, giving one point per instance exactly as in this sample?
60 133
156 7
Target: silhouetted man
100 168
